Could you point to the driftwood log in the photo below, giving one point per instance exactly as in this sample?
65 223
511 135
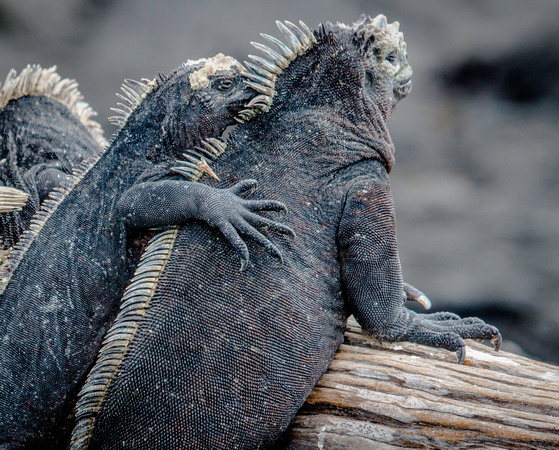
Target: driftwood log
377 396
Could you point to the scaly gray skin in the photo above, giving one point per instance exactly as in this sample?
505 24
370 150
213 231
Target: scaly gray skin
63 279
204 356
45 131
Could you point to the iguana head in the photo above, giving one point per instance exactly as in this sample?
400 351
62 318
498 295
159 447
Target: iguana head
355 73
196 101
376 57
217 84
186 111
371 53
385 58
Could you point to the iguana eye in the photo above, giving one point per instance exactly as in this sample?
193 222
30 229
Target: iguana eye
224 85
391 57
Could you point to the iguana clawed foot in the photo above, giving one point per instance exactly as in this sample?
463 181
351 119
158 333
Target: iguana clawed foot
226 210
448 331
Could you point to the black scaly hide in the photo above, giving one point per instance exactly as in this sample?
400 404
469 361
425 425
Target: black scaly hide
224 359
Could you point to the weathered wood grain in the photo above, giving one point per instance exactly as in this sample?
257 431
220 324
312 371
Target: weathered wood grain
406 395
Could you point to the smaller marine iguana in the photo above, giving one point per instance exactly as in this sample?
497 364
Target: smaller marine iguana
46 129
63 279
204 356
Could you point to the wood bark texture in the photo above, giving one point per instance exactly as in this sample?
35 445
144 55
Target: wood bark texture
379 396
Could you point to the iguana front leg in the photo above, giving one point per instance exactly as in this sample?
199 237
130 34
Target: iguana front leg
373 278
174 202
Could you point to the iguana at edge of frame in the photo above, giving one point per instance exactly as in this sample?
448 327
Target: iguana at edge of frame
204 356
63 280
46 129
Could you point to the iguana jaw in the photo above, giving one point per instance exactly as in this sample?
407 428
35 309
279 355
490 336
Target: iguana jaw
239 102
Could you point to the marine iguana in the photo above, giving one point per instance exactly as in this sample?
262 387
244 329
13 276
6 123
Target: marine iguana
63 280
204 356
46 129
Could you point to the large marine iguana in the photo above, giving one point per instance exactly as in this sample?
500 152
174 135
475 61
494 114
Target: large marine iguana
46 129
204 356
63 279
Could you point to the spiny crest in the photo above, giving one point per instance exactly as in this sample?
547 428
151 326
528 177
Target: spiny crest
263 71
135 302
36 81
134 92
12 199
195 163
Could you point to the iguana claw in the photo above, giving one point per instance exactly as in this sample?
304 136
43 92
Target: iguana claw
461 354
497 341
415 295
243 218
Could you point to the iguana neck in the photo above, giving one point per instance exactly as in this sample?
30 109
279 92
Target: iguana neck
334 92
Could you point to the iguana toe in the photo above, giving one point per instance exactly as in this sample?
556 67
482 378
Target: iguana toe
244 186
415 295
446 330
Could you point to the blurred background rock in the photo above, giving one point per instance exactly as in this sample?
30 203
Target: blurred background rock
476 184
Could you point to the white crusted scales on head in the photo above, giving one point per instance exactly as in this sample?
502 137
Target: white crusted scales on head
200 78
388 45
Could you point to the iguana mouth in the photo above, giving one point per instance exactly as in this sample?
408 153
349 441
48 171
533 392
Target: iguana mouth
402 88
237 105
